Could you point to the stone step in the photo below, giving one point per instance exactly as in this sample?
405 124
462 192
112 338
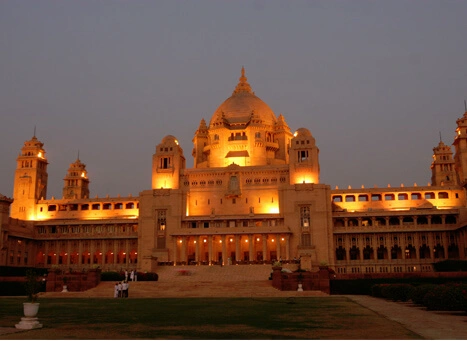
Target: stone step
199 281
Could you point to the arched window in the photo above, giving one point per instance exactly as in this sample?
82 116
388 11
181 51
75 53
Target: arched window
349 198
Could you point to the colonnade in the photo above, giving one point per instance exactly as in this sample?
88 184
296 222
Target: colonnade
436 243
230 248
75 253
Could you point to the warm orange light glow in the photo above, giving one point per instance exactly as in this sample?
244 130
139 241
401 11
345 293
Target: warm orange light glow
195 241
231 240
272 240
204 240
282 239
180 241
246 240
257 239
304 178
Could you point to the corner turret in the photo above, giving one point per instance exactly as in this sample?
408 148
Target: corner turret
31 178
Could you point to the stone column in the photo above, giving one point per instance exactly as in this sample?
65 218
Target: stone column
127 250
92 250
287 246
115 251
175 246
57 253
68 252
251 244
224 249
198 240
278 246
210 249
265 246
403 245
431 244
360 243
80 250
183 246
445 242
237 247
416 245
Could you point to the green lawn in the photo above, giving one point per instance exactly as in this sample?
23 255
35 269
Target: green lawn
203 318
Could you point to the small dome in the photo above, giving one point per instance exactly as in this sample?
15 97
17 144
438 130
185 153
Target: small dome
302 132
169 138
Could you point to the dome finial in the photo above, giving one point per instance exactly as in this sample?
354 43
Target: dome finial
242 85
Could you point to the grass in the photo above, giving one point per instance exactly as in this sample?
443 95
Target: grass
203 318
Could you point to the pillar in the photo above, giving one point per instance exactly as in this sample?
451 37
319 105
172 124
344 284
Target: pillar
175 247
278 246
197 243
210 249
224 249
445 242
251 244
265 246
237 247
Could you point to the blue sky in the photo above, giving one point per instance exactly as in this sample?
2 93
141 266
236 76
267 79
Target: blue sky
374 81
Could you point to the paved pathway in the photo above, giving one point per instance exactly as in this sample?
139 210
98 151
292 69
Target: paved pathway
251 281
433 325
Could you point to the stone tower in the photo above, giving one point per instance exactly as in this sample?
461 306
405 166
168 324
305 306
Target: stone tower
460 144
76 181
30 184
304 163
167 162
200 140
443 168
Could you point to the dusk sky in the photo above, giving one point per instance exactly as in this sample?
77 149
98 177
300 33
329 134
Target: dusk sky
375 82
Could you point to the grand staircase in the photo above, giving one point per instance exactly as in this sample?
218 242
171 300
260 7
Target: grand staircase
199 281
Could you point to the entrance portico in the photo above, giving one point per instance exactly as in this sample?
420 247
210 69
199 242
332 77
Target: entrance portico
228 249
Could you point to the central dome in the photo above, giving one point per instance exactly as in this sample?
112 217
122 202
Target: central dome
242 106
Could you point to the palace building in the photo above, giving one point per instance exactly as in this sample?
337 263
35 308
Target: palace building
253 196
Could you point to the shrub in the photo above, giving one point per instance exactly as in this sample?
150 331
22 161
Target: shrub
447 297
420 291
112 276
450 265
147 276
397 292
32 285
376 290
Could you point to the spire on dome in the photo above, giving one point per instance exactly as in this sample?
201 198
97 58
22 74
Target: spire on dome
243 85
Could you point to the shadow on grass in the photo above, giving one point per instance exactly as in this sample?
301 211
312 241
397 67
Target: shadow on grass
203 318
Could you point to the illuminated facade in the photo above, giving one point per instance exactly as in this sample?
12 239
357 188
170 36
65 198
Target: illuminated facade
253 195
